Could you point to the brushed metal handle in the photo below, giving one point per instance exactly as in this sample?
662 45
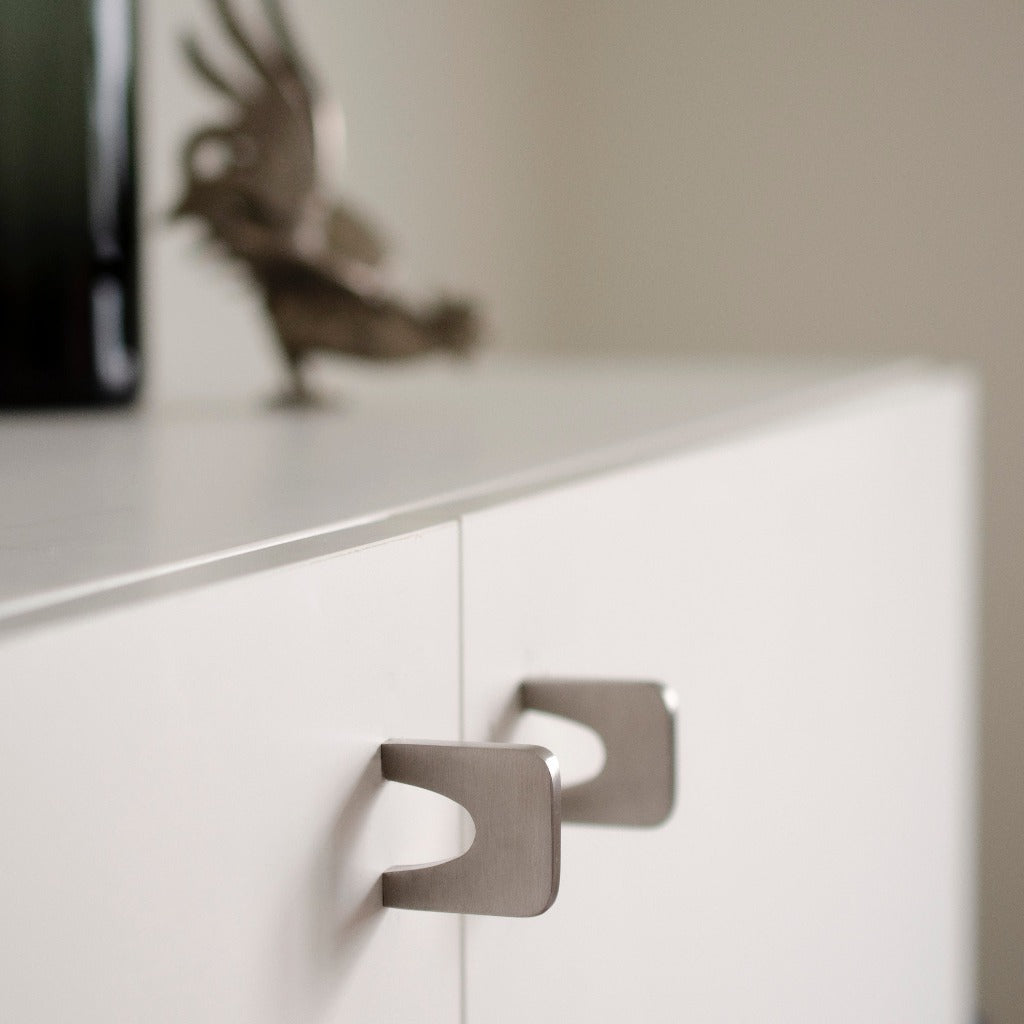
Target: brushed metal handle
636 723
513 794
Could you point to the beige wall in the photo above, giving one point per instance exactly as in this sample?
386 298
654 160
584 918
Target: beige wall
727 176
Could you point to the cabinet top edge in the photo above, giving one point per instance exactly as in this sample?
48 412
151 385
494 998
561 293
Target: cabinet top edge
103 509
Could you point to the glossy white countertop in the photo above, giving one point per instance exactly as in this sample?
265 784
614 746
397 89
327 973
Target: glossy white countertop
93 502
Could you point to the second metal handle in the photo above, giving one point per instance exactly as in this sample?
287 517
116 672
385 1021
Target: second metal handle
636 723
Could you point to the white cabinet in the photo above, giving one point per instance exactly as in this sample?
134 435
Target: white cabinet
817 863
208 627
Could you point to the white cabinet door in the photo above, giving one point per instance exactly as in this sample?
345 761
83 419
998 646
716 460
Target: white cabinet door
806 589
193 818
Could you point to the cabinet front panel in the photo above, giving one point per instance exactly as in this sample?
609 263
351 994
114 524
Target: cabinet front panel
807 592
194 819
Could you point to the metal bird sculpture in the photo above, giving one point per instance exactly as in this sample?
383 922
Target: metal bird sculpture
254 181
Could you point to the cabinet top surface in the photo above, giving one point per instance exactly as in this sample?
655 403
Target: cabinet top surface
94 502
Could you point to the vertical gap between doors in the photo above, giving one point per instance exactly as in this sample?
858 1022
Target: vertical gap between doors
463 1014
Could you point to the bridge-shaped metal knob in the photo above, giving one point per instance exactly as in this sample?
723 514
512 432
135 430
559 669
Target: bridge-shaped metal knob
636 723
512 792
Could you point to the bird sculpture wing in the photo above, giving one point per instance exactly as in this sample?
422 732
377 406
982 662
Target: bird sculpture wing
254 178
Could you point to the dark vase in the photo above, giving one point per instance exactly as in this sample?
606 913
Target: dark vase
69 316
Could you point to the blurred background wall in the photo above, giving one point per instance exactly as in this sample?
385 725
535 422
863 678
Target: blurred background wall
728 177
